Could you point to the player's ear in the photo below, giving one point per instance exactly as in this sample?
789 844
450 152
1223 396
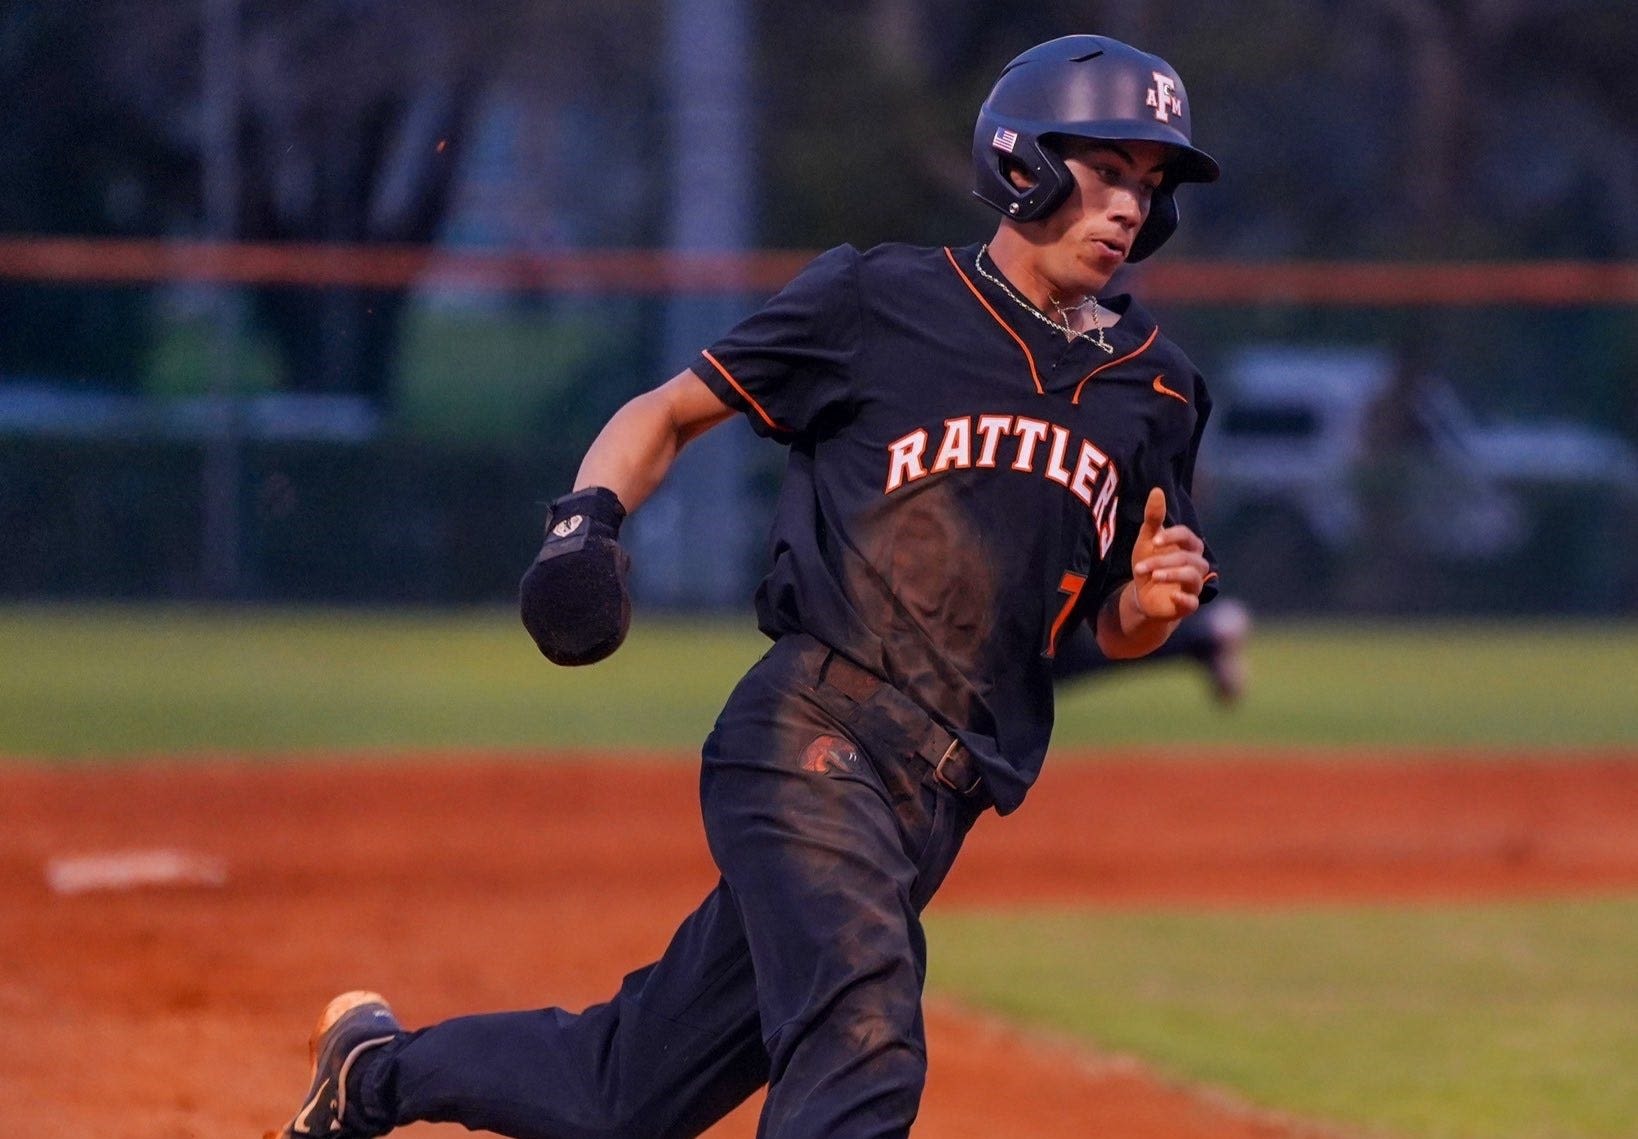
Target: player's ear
1018 174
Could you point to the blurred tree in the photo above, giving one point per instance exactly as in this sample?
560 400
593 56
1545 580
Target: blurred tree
1399 128
358 117
1569 69
351 119
70 163
354 119
1346 127
1503 99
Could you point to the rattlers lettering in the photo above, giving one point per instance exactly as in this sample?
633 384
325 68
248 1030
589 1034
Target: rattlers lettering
986 442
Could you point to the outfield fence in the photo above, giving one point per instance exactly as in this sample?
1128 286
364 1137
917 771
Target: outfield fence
383 422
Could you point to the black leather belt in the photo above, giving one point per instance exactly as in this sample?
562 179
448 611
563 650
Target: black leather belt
951 763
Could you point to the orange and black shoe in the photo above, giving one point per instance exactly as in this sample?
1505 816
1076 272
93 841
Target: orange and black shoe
350 1025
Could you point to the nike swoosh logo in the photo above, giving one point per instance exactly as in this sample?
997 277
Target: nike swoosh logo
300 1125
1164 390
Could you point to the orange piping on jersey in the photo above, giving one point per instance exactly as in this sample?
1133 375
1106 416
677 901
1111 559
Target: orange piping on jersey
1144 347
1033 374
1161 387
745 395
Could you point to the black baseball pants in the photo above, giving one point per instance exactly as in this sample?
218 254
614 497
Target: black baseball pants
802 969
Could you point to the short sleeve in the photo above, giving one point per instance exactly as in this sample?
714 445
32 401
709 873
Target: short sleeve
787 366
1170 467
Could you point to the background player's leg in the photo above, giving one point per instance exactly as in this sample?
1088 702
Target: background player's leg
676 1049
1215 638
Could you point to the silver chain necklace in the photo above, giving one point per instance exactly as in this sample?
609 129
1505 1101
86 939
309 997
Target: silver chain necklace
1095 337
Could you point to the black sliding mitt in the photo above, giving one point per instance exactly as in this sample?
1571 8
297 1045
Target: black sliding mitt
574 598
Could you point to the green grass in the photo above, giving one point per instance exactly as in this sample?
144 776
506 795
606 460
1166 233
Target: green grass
1497 1021
118 680
110 681
1472 683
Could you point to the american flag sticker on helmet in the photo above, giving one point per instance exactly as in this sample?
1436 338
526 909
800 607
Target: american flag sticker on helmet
1005 140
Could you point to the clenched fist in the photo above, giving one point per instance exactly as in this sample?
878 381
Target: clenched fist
573 598
1169 564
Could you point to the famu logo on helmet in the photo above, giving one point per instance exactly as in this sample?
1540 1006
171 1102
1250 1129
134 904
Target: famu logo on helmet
1085 87
1163 97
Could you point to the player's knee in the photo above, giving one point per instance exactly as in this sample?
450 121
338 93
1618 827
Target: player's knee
894 1072
883 1047
849 1075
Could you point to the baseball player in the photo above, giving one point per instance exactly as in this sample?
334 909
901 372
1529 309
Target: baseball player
1214 639
984 452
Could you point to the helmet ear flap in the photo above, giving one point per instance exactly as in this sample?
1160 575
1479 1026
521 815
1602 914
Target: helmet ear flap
1050 179
1158 226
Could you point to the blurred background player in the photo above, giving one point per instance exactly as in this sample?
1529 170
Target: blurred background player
1214 640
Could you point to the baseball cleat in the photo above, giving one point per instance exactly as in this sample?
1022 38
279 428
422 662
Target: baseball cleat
350 1025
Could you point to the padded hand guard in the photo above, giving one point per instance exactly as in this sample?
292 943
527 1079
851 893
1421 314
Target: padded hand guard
573 599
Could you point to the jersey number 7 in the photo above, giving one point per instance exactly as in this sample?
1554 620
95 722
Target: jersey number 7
1072 584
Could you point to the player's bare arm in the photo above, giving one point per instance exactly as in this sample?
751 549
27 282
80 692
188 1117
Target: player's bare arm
637 446
573 599
1169 570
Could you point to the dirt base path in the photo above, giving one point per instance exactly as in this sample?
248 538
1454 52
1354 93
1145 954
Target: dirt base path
166 993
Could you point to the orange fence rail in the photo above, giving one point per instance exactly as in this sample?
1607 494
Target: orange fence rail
654 272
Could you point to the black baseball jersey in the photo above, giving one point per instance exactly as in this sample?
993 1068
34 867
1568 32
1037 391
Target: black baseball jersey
964 482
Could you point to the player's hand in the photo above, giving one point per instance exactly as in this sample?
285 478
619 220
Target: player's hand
573 599
1169 564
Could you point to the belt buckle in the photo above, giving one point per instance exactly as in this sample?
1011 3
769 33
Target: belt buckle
939 774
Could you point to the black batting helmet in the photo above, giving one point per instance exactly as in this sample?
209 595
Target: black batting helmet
1085 87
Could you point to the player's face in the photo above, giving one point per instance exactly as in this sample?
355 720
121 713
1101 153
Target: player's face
1089 236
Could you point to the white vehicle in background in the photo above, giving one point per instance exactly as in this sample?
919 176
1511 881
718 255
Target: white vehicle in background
1297 476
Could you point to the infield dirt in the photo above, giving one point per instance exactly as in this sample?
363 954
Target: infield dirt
177 1004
